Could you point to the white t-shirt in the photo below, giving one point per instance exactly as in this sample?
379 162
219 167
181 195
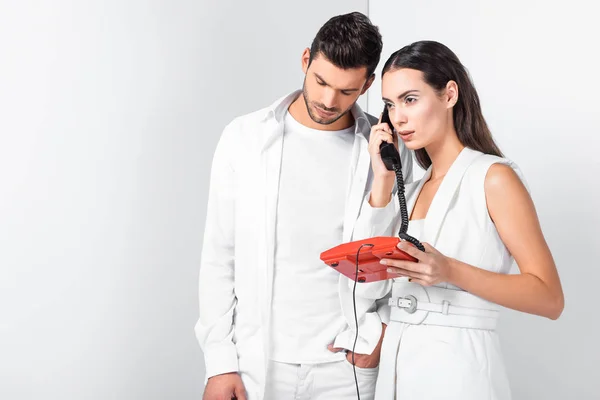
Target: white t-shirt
315 173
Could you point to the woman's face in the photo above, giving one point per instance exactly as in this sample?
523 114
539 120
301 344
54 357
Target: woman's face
420 115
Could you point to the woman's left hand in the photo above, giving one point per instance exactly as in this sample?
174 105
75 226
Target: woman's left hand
432 268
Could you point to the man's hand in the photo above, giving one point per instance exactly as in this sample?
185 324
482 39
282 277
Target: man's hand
225 387
364 360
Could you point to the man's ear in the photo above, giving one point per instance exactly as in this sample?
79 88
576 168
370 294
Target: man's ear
368 84
305 60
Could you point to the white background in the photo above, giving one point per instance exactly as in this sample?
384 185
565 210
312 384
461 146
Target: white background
535 66
109 115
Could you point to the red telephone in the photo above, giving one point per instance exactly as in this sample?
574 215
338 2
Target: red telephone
359 260
343 258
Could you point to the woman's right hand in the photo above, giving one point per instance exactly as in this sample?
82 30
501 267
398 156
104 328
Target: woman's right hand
383 179
381 133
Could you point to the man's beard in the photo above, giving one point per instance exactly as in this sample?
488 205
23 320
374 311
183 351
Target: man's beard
316 118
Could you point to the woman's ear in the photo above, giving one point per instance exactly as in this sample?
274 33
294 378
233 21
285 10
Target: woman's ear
451 95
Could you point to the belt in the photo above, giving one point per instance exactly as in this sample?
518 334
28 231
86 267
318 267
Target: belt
414 304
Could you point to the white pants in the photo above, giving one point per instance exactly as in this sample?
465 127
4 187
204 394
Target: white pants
427 362
325 381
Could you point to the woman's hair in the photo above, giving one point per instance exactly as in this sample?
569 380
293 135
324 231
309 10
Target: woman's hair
440 65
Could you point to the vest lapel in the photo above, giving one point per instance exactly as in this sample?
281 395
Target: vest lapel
444 195
412 192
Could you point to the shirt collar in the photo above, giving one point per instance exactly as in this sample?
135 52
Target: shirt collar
279 108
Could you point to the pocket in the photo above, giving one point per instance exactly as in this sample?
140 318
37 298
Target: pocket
364 371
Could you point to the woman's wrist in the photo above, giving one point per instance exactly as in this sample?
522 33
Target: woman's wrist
381 191
455 269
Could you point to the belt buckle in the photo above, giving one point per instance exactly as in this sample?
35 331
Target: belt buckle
407 303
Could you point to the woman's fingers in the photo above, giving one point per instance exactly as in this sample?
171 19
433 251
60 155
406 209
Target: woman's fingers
409 274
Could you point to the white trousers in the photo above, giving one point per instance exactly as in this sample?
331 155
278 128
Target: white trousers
427 362
324 381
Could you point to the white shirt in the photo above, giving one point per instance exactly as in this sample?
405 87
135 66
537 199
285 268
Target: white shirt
238 249
315 172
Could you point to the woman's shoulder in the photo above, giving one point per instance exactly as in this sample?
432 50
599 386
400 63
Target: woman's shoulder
494 172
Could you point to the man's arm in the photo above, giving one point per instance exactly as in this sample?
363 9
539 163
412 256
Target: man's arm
214 329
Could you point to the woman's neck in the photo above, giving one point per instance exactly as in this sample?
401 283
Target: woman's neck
443 154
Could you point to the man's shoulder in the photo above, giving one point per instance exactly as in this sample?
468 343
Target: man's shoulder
246 127
373 120
263 115
250 119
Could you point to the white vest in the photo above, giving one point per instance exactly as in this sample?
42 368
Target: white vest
457 224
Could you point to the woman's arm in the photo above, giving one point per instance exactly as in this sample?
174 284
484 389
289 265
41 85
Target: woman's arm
536 290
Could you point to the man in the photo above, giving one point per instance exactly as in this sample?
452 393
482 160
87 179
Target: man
287 183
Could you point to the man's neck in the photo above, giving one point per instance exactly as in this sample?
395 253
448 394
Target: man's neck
298 110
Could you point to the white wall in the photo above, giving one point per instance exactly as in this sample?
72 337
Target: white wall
109 115
535 65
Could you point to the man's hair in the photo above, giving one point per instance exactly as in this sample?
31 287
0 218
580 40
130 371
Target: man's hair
349 41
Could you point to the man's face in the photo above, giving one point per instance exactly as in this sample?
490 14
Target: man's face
329 91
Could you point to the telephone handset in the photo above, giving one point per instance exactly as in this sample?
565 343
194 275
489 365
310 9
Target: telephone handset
389 154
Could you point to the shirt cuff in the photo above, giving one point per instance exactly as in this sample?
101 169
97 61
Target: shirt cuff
384 310
369 334
220 359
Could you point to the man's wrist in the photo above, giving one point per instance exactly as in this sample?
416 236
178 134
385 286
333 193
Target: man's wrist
223 375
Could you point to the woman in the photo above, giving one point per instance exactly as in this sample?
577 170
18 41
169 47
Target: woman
473 214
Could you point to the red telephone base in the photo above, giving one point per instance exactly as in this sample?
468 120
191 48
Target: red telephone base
342 258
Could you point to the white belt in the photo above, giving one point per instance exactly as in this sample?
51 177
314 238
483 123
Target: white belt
414 304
